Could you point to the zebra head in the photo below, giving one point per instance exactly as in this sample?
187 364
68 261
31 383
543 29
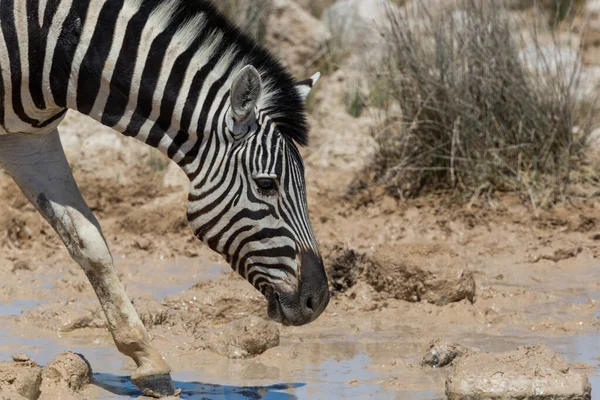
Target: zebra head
250 205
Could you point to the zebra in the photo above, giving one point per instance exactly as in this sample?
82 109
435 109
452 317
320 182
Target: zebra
178 76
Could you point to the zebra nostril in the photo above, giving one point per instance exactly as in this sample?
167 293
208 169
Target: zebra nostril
309 304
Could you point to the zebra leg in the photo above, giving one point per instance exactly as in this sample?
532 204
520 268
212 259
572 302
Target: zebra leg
38 165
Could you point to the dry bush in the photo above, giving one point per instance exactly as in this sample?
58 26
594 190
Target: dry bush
472 113
559 10
250 15
317 7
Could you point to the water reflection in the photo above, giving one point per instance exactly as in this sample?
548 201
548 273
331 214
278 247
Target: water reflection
327 368
17 307
122 386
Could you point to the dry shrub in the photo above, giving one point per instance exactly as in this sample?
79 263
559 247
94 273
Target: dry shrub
559 10
472 113
317 7
250 15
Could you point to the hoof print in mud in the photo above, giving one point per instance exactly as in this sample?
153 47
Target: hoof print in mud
533 373
244 338
414 272
20 379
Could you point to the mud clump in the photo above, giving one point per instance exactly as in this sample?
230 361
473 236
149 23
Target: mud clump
415 272
67 373
365 298
154 219
244 338
441 354
16 231
20 379
62 378
207 305
344 267
70 322
535 373
21 265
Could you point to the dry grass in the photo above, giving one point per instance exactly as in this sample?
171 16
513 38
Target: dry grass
250 15
560 10
317 7
473 117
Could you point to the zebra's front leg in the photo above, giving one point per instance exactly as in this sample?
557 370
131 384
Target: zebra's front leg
38 165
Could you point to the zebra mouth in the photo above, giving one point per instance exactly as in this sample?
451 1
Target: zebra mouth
275 311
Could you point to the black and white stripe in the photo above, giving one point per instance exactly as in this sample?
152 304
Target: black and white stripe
162 71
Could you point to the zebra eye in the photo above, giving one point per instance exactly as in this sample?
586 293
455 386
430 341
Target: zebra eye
267 186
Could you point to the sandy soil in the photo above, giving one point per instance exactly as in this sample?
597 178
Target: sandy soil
495 274
535 274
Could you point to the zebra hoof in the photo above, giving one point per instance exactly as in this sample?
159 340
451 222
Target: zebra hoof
157 386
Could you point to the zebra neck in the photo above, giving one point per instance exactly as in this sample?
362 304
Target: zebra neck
149 75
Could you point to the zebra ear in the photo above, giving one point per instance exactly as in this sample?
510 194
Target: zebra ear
304 87
245 92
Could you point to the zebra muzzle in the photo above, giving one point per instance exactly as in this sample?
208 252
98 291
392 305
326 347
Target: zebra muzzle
308 302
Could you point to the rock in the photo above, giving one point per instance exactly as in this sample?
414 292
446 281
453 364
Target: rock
143 243
296 37
533 373
250 16
442 354
414 272
20 379
359 24
243 338
592 6
20 357
69 372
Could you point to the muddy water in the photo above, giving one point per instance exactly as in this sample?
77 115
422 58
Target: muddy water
178 272
334 377
16 307
345 358
331 378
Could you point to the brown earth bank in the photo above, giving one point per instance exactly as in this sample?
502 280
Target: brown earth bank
416 284
492 275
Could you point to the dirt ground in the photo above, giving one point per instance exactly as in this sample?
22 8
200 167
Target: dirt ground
494 274
535 276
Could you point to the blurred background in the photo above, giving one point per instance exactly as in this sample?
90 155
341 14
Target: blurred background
453 185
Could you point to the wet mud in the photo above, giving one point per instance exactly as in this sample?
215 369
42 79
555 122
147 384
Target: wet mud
404 274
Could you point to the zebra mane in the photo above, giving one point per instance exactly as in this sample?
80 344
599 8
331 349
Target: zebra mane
279 99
